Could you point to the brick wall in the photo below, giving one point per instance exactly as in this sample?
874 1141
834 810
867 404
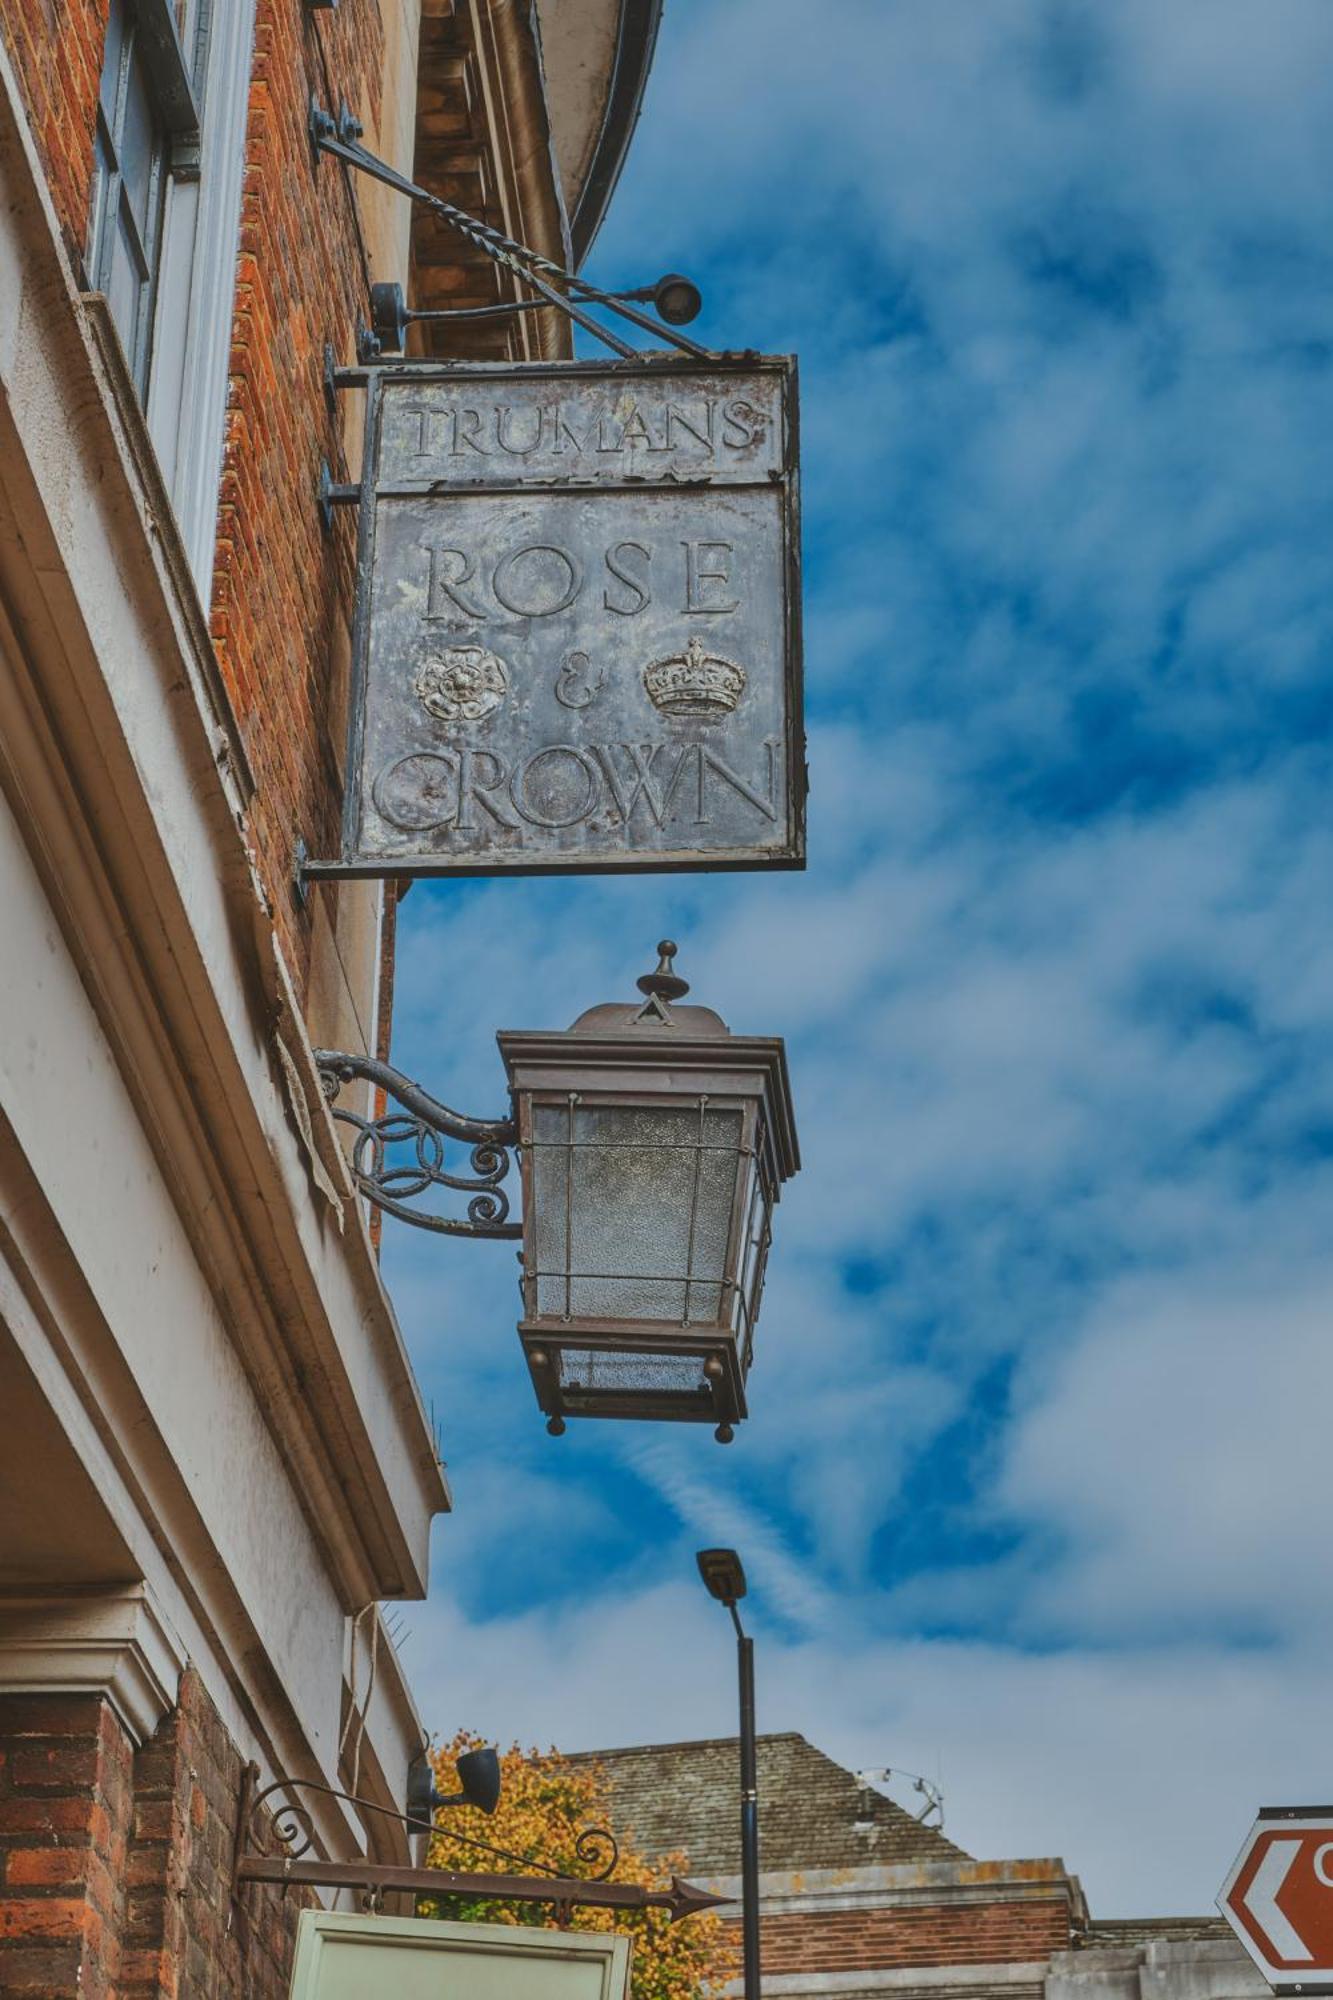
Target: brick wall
181 1934
56 49
282 596
959 1933
66 1801
115 1865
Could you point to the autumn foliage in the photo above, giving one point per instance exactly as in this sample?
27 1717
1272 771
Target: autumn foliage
545 1803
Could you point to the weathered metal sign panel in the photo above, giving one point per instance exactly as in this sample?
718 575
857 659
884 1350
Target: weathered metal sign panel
578 634
345 1957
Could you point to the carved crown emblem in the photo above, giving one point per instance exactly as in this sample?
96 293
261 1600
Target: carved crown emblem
462 684
695 683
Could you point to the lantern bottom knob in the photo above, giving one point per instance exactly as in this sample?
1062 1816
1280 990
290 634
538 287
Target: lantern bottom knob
724 1433
555 1427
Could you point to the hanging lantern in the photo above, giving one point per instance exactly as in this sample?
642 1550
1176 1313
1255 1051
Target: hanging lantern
654 1146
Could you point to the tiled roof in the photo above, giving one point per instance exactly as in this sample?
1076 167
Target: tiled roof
685 1797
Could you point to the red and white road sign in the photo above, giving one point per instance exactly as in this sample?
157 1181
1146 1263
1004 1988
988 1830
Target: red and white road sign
1279 1897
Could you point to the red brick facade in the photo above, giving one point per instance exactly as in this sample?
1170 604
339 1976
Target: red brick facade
115 1866
282 592
66 1806
56 48
944 1933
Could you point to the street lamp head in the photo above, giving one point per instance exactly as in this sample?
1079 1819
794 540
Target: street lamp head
654 1144
723 1576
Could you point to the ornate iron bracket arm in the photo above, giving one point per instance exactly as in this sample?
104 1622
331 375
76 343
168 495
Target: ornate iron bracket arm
554 285
291 1827
423 1124
566 1892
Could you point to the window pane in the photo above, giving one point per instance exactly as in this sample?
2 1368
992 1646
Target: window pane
630 1374
641 1229
139 143
99 247
115 44
124 285
193 22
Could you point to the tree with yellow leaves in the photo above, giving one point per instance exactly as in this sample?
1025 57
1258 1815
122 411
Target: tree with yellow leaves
545 1804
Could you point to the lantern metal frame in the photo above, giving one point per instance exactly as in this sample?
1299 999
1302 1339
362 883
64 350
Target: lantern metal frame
657 1055
652 1056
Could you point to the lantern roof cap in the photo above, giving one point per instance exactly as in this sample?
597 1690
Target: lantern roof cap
656 1044
657 1012
618 1017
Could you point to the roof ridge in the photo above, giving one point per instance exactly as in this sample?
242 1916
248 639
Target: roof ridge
687 1743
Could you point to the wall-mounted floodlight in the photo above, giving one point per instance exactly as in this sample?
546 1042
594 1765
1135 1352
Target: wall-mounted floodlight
478 1778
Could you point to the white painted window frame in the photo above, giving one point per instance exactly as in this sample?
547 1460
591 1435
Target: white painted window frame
187 389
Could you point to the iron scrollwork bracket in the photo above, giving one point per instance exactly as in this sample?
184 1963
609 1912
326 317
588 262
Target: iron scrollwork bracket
276 1844
393 1181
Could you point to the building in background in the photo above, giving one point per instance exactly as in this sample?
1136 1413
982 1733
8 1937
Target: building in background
214 1461
859 1900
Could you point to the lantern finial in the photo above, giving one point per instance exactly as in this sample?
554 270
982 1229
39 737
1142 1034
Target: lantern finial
664 983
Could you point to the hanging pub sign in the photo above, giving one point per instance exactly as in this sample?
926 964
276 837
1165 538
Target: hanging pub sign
577 641
344 1957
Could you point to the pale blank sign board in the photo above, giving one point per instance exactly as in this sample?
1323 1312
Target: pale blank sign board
577 642
345 1957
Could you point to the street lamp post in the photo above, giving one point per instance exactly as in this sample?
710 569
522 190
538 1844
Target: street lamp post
724 1579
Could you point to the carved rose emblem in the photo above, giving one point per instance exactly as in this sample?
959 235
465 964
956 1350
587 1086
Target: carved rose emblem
462 684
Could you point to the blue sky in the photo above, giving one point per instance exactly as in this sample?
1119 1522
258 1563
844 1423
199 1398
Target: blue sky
1033 1494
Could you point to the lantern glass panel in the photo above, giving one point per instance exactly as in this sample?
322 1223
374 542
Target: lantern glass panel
754 1252
633 1207
594 1369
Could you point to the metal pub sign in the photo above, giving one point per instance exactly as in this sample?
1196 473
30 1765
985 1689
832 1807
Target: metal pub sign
578 627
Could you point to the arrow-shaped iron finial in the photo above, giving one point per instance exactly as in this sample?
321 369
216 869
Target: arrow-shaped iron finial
686 1899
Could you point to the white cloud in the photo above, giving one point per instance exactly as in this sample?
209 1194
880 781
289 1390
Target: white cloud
1177 1453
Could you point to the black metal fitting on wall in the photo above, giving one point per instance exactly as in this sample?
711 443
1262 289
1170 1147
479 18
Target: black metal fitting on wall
329 494
300 880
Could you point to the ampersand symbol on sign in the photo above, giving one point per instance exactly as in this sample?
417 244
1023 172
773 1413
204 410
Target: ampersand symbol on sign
575 687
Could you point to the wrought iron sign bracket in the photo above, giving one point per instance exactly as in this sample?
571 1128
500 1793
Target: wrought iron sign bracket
550 284
290 1861
423 1124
